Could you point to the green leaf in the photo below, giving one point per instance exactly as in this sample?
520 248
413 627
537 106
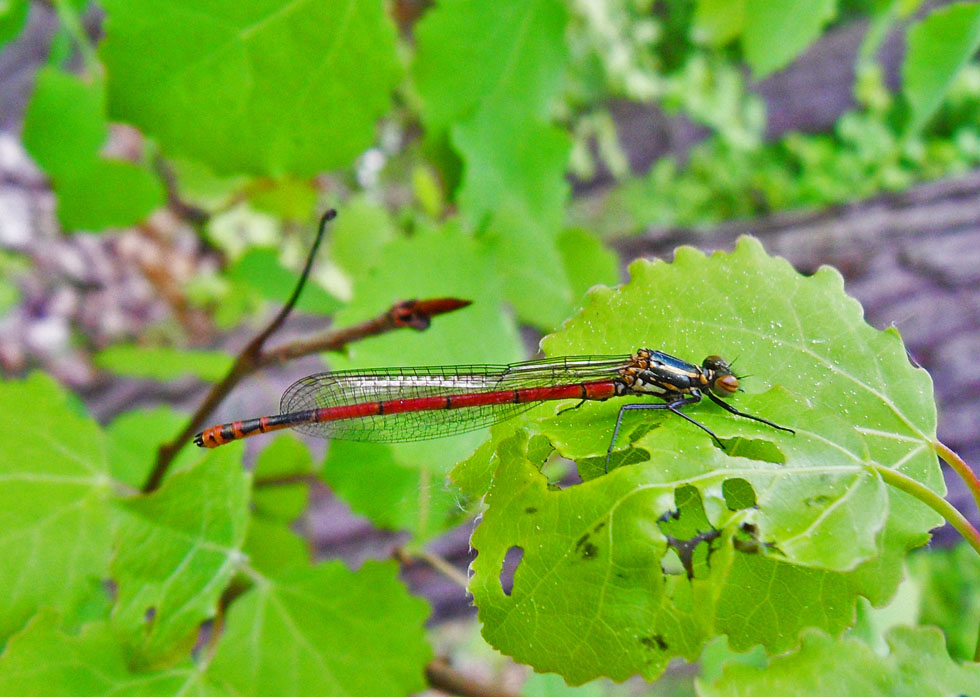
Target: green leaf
133 438
949 579
358 235
64 129
777 32
260 270
345 633
177 550
510 52
586 260
515 178
437 261
268 87
938 47
763 564
279 496
108 193
393 495
716 22
43 661
163 363
13 16
54 491
917 665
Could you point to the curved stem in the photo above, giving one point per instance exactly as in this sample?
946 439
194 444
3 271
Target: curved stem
959 466
933 500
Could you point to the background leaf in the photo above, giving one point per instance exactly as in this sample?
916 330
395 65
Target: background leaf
271 87
938 47
345 632
54 491
163 363
45 662
177 550
918 664
64 129
775 32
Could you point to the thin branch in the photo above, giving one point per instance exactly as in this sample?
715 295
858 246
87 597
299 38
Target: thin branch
443 677
958 465
415 314
436 562
936 502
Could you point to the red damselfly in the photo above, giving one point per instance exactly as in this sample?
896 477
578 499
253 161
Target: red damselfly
408 404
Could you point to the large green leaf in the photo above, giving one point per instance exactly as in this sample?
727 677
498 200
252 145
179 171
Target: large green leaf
43 661
54 493
916 665
324 631
266 87
177 550
938 46
591 596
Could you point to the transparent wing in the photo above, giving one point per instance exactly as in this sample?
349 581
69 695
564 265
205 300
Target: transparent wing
348 387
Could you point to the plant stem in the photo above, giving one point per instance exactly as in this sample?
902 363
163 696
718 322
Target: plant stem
72 23
959 466
933 500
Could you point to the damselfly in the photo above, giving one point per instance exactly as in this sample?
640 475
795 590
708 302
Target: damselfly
407 404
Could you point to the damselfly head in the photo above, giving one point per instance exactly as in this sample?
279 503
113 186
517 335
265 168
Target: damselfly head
721 380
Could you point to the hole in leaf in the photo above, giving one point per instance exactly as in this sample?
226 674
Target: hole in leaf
738 494
753 449
512 559
689 533
150 614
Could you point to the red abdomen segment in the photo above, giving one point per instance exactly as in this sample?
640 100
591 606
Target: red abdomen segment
484 408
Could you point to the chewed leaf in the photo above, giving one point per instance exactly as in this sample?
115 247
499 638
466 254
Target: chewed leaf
795 526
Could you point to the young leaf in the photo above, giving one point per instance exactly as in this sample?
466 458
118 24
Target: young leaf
938 46
268 87
768 561
917 665
54 494
344 633
44 661
177 550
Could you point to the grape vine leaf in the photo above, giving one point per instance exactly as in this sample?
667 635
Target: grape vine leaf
64 128
44 661
272 87
605 587
938 46
54 493
797 25
916 665
345 633
177 548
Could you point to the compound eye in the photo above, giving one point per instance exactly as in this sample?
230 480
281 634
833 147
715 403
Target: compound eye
716 363
726 383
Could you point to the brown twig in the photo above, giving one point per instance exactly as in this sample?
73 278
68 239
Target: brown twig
443 677
416 314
